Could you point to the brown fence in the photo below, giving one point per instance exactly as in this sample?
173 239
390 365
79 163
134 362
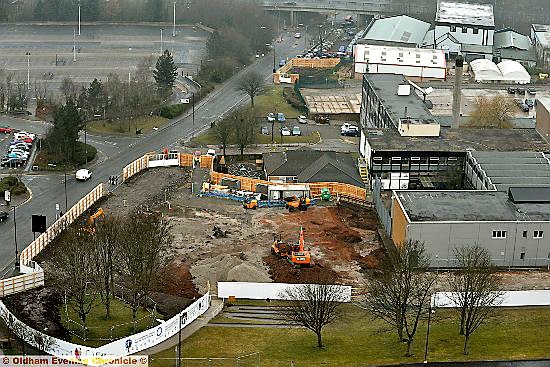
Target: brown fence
21 283
135 167
336 188
302 63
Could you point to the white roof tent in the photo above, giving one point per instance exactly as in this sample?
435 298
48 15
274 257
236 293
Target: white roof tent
486 71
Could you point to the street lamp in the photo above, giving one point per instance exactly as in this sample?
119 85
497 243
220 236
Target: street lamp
174 30
28 70
129 77
161 41
17 264
79 18
85 139
428 332
193 114
74 45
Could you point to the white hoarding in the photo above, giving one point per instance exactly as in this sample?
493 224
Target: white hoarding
245 290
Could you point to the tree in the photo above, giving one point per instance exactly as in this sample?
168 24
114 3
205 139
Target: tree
252 84
475 289
74 271
69 89
144 239
492 112
95 96
313 306
399 293
165 71
62 138
245 127
224 130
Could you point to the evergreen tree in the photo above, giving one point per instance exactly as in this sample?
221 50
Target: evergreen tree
63 136
165 72
95 96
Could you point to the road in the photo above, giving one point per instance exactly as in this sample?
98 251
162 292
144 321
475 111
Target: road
49 189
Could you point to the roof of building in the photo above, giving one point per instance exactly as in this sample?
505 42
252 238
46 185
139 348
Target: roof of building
399 29
385 86
506 70
542 34
461 206
462 13
529 194
313 166
470 48
508 38
513 169
400 56
452 140
517 55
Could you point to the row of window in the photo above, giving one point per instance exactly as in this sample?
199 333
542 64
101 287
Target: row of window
464 29
502 234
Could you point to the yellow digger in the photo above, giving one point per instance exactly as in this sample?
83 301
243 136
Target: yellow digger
297 203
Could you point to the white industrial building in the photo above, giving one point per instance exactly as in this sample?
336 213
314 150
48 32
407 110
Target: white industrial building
416 63
402 31
464 28
507 71
540 35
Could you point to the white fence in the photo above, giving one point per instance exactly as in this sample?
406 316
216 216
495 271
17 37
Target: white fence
118 348
245 290
509 299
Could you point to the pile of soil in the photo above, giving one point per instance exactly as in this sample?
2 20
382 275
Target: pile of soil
282 271
175 279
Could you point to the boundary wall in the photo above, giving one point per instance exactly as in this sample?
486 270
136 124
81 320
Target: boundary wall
509 299
245 290
282 75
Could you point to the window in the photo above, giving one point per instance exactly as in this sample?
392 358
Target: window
538 234
476 30
401 54
383 53
464 29
524 234
453 28
395 158
415 158
499 234
522 255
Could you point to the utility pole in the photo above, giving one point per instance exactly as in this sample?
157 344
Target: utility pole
66 201
17 264
193 114
174 30
179 344
28 70
79 18
74 45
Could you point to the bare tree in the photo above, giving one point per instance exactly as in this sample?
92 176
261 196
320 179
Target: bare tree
252 84
42 341
145 238
69 89
74 271
475 289
224 130
400 292
245 127
493 112
313 306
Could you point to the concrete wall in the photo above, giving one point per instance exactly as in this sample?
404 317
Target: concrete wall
440 238
543 120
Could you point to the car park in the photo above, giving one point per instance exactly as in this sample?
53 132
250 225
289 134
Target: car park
264 130
270 117
4 215
511 90
296 131
529 102
83 174
531 90
285 131
281 117
524 107
11 162
302 119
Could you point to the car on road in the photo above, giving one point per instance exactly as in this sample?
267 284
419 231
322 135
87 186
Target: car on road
83 174
348 129
302 119
270 117
6 130
529 102
281 117
20 145
282 62
296 131
211 152
4 215
285 131
297 35
532 90
11 162
20 153
511 90
264 130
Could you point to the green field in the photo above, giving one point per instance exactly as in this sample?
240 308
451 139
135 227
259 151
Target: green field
273 101
209 137
360 340
125 126
100 328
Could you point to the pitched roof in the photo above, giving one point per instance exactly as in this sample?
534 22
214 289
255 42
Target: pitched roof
508 38
400 29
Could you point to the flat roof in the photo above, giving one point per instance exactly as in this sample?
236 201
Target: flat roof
507 170
333 101
464 206
385 86
462 13
400 29
459 140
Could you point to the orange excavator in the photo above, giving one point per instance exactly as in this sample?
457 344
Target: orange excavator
295 253
97 216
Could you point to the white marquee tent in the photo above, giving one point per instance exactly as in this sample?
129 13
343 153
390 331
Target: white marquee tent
507 71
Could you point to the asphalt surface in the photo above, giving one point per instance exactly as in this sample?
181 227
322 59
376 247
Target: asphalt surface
115 153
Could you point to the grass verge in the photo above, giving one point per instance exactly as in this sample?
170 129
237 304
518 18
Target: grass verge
359 340
273 101
100 328
209 138
125 126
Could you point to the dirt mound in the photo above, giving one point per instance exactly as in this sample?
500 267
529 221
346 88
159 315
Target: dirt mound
176 280
244 272
282 271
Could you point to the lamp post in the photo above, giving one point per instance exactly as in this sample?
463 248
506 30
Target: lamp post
79 18
174 29
179 343
129 77
161 41
28 70
428 333
74 45
193 113
17 264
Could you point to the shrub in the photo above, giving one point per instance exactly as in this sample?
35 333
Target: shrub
173 111
293 99
12 184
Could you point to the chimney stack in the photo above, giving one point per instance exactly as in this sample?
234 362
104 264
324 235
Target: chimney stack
457 92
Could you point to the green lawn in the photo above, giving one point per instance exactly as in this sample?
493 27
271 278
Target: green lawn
359 340
145 123
273 101
100 328
209 137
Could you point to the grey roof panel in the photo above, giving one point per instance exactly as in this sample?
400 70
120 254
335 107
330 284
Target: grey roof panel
530 194
398 29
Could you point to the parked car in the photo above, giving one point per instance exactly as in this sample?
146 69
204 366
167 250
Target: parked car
281 117
83 174
23 134
11 162
511 90
264 130
270 117
520 90
6 130
296 131
4 215
524 107
285 131
20 152
282 62
529 102
302 119
297 35
348 129
531 90
20 145
211 152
